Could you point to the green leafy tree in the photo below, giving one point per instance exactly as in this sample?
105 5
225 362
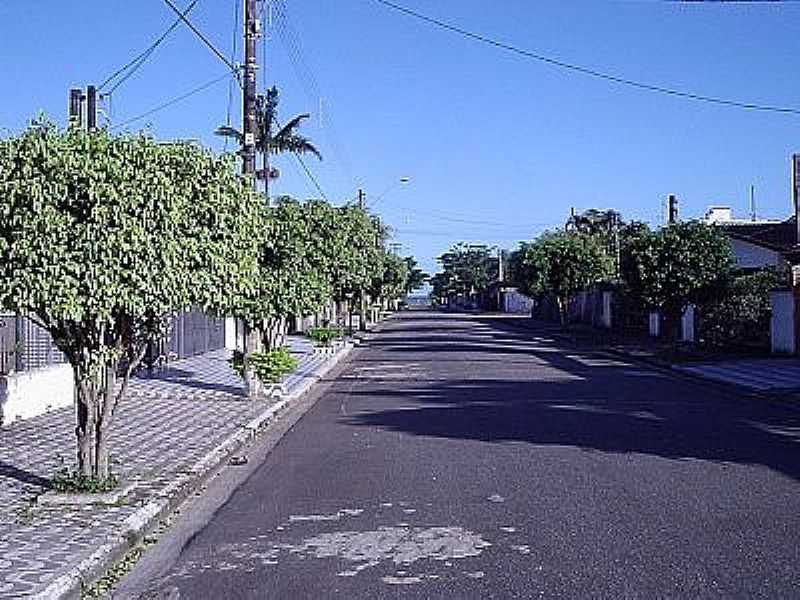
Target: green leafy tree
393 280
359 238
561 265
682 264
416 276
467 269
295 265
102 237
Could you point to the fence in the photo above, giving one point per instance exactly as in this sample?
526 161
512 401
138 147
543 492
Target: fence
25 346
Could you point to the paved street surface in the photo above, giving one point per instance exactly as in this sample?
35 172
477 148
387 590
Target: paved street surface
168 423
767 375
459 457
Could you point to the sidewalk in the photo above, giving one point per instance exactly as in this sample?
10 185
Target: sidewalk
173 429
761 375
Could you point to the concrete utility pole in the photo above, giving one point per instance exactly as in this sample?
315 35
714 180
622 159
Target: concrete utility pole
251 31
76 106
91 108
672 209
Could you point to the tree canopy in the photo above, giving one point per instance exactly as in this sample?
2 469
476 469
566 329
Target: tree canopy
466 269
684 263
101 237
561 264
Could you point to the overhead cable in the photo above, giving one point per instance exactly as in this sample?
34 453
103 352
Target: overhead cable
131 67
661 89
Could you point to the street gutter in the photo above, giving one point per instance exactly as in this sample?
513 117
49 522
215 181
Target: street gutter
70 585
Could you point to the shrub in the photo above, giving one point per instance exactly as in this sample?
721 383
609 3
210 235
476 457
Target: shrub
74 482
269 367
741 316
324 336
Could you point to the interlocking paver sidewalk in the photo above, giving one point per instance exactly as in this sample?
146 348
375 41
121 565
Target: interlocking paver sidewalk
766 375
171 420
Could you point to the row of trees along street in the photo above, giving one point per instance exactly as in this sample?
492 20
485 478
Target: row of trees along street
665 270
103 237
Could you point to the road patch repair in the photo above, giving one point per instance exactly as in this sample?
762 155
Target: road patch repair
395 553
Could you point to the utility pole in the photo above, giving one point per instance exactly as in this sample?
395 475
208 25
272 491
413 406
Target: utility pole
249 125
91 108
251 31
753 203
75 107
361 197
500 274
672 209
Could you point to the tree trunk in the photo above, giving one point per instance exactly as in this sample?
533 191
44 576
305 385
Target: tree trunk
251 344
562 310
362 311
96 403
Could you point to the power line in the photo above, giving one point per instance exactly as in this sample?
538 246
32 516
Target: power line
303 164
305 75
310 176
235 45
450 219
585 70
172 102
142 57
203 38
450 235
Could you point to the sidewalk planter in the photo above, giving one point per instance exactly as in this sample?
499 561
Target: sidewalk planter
325 349
116 496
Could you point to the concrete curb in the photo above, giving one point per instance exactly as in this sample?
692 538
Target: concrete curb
663 366
69 585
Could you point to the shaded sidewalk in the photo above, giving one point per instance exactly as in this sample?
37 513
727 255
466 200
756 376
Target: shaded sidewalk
175 426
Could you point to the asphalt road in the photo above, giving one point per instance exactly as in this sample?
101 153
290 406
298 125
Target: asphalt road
458 457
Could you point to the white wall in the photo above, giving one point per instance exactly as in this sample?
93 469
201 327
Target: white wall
749 256
782 328
28 394
516 303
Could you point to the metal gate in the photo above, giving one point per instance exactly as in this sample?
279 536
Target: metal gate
194 332
24 346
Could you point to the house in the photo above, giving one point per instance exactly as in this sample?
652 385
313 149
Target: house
757 243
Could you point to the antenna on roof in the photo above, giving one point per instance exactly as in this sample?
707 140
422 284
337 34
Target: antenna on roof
753 203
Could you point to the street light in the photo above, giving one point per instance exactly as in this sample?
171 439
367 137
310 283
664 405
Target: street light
401 181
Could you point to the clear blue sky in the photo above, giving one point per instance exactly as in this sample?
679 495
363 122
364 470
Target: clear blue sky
485 136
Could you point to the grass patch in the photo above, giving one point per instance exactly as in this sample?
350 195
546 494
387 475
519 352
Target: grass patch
72 482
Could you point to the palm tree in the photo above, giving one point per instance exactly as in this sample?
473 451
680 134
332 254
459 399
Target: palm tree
285 140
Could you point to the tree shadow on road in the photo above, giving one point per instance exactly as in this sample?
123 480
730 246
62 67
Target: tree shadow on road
585 400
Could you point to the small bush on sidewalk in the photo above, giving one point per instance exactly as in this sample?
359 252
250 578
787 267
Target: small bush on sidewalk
270 367
324 336
67 481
